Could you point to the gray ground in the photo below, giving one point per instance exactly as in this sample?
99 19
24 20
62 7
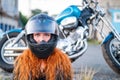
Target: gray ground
94 59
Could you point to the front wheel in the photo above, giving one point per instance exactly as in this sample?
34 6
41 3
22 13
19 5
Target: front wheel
111 53
6 62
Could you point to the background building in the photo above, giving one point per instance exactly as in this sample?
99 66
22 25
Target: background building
8 14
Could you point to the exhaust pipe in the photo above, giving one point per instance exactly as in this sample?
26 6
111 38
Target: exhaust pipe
15 48
81 52
11 54
11 49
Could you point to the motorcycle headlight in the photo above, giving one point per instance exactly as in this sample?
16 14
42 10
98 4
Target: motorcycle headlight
69 22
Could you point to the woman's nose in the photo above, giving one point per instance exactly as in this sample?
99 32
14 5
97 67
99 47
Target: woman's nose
41 38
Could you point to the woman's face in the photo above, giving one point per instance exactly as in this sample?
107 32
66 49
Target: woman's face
38 37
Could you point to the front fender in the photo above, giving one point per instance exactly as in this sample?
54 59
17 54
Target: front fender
12 31
111 35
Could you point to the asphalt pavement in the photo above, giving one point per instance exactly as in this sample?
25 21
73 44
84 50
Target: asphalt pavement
93 58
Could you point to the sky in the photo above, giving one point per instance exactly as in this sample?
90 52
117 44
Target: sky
51 6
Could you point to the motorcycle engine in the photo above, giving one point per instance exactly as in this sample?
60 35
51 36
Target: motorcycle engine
73 35
73 42
69 23
69 29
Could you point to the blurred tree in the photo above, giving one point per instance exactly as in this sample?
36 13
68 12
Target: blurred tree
23 19
37 11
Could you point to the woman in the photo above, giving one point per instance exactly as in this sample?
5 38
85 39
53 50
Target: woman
42 60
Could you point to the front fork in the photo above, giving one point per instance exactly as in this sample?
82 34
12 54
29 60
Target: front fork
111 27
11 48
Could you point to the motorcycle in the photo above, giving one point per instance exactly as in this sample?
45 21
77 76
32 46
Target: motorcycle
74 30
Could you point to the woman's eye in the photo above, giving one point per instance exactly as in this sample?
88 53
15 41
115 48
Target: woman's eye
47 34
37 35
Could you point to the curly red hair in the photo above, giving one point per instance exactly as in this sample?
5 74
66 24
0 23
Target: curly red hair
56 67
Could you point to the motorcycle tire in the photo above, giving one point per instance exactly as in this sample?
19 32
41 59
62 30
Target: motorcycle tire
5 62
112 58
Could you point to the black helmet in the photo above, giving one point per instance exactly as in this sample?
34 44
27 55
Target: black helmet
41 23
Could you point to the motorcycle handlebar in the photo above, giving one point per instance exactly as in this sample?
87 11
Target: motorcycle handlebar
86 2
96 7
